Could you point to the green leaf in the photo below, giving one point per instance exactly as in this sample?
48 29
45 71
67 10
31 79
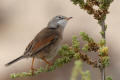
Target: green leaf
75 43
77 56
105 61
108 78
102 42
102 32
85 37
85 48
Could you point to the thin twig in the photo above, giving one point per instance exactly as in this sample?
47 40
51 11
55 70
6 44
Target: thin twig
102 69
103 28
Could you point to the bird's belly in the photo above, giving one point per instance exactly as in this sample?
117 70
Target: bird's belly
53 53
49 53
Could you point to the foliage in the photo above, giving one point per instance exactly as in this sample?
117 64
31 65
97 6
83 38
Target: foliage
100 15
85 75
109 78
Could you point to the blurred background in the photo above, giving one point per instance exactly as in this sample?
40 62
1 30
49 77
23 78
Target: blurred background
21 20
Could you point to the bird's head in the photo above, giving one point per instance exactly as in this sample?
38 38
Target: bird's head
60 21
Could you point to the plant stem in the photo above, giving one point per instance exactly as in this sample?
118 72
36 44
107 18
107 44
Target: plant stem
102 69
103 28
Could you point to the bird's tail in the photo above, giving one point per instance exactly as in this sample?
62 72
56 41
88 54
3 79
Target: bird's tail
15 60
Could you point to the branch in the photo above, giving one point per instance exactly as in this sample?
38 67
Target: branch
85 75
102 69
100 15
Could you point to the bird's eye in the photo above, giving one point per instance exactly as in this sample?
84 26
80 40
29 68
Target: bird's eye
60 17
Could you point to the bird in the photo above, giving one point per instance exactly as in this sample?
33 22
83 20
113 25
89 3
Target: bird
46 43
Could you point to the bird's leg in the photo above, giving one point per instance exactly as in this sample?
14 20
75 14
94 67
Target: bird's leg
49 64
32 68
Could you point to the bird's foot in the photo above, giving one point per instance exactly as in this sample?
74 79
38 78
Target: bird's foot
33 70
49 65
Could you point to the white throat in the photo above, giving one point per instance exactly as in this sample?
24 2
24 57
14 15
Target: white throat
62 23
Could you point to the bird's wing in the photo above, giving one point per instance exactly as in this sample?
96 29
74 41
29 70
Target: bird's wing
40 43
28 48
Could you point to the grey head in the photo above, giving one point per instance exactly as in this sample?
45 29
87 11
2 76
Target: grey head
58 21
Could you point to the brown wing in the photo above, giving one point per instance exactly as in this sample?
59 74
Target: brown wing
40 42
43 43
40 45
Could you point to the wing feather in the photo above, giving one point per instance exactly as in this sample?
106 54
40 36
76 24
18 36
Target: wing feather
40 42
43 43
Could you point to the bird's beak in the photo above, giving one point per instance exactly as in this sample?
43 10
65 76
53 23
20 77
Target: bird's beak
68 18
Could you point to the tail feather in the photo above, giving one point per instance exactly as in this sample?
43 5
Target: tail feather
15 60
